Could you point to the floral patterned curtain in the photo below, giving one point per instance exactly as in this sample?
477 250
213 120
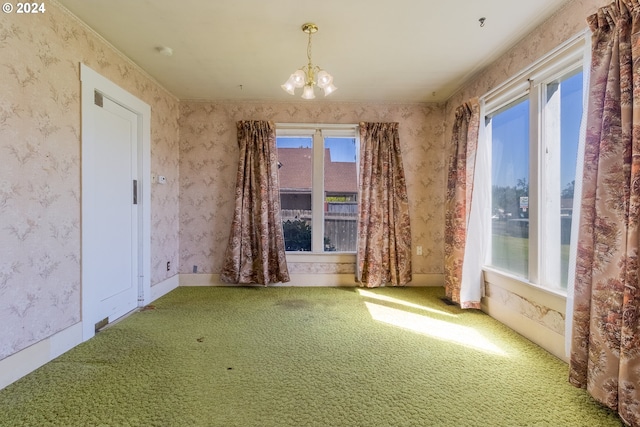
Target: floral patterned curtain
384 232
256 252
605 350
464 145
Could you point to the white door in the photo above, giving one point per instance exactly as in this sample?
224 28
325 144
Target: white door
110 213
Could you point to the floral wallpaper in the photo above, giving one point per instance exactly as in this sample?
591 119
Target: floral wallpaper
40 56
209 157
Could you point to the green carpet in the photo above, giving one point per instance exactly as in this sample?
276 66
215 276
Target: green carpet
257 356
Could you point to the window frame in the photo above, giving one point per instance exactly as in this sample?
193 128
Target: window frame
319 132
533 83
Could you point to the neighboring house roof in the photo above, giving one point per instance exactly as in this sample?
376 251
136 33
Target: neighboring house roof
295 172
295 169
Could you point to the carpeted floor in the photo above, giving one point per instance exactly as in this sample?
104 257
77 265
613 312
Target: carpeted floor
256 356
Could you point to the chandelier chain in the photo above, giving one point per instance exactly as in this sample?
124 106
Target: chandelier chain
309 49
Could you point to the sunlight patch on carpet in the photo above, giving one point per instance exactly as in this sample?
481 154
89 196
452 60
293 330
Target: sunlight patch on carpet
373 295
438 329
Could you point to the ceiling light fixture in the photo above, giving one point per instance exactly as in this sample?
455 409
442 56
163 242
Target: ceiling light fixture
309 75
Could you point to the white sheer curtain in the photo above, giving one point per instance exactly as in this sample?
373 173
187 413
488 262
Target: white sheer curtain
476 249
577 199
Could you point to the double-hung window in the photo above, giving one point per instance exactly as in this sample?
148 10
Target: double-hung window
318 173
532 126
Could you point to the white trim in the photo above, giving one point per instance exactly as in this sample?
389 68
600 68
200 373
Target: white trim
314 126
517 285
325 257
310 280
317 193
544 154
530 329
201 279
91 82
535 192
318 133
161 289
19 364
563 55
577 201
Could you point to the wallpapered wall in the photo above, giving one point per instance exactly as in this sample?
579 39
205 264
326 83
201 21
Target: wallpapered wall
565 23
40 169
209 161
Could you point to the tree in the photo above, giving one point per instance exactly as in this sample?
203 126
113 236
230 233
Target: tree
506 200
297 235
567 192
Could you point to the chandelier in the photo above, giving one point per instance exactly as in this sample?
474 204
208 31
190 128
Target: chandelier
309 75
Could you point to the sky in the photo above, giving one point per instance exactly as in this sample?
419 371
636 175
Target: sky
341 149
510 129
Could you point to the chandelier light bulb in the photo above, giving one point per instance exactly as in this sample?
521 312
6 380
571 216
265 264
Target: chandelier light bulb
307 92
329 89
324 79
289 86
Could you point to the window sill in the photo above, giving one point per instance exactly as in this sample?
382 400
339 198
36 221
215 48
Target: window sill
552 298
312 257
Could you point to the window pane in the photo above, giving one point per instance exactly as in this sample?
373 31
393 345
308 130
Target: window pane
340 194
295 169
570 90
510 188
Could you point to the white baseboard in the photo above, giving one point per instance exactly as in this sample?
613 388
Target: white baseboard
160 289
16 366
19 364
303 280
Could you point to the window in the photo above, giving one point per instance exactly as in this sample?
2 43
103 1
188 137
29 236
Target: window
318 176
510 188
532 127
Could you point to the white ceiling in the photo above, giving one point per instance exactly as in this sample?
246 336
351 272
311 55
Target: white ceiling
377 50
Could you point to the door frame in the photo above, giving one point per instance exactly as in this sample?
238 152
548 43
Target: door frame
91 82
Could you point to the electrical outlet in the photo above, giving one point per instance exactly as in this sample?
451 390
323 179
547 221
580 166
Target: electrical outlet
168 265
418 250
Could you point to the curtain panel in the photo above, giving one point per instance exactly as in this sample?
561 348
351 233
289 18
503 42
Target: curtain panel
384 231
460 179
256 252
605 350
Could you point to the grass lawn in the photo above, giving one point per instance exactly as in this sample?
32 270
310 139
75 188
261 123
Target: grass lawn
511 254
